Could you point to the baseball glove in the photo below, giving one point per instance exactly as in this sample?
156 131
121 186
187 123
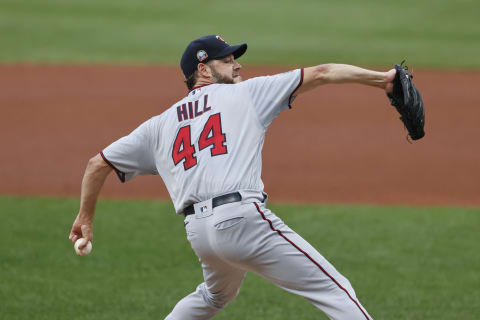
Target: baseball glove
407 100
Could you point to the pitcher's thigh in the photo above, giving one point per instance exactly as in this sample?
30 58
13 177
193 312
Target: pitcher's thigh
293 264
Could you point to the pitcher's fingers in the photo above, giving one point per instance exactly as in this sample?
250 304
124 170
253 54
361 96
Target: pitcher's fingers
87 233
82 243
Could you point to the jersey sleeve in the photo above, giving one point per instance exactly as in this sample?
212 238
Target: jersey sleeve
272 94
132 155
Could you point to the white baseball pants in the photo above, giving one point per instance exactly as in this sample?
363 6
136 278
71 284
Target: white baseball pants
245 236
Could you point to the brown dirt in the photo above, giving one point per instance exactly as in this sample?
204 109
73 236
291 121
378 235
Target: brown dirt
339 143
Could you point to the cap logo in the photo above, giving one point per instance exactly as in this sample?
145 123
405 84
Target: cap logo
220 39
201 55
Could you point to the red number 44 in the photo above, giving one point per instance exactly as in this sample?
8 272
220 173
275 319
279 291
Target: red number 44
211 135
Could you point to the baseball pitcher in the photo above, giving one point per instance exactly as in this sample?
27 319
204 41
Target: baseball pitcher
207 149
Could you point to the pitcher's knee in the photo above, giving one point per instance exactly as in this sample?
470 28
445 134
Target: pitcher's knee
219 299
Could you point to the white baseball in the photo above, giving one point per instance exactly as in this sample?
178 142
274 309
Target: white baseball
84 251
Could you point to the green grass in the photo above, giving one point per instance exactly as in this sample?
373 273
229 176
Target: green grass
442 33
405 263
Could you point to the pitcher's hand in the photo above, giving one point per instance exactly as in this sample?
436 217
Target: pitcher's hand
81 229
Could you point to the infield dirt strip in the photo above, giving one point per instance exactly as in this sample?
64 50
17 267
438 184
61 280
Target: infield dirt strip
339 144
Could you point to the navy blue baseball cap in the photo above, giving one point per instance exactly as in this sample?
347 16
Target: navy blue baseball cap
205 49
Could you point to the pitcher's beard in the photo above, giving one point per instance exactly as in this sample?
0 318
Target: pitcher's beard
218 78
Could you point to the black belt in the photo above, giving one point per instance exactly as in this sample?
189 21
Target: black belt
217 201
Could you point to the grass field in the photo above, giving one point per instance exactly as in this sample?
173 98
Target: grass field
443 33
405 263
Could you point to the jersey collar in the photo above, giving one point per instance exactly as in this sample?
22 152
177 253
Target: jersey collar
194 89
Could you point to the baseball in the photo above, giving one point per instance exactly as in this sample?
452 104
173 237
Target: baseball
84 251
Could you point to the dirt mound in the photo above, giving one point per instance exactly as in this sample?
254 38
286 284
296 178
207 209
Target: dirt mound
338 143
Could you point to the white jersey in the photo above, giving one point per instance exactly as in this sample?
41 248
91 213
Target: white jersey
210 142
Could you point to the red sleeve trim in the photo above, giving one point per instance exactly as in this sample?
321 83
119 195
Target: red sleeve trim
301 81
120 174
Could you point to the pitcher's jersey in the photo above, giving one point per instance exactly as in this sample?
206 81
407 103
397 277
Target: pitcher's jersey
210 142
